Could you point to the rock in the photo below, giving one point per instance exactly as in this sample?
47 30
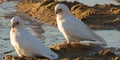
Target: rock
75 51
117 58
107 52
8 57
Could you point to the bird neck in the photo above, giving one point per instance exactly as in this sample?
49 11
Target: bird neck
63 16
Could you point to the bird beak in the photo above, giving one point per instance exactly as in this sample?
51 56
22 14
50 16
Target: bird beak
58 11
13 25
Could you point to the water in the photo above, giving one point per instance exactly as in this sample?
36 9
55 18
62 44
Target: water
5 45
93 2
111 36
52 34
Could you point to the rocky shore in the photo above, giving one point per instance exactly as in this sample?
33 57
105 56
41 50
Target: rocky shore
96 17
75 51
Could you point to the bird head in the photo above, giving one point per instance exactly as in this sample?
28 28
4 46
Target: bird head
16 22
62 9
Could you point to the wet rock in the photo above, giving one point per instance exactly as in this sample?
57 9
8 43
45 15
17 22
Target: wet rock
107 52
8 57
45 2
75 51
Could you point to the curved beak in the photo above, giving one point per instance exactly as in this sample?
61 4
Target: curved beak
57 11
14 24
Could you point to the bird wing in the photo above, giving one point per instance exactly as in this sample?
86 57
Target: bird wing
76 28
33 45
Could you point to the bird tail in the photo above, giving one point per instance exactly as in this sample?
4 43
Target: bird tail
51 55
101 42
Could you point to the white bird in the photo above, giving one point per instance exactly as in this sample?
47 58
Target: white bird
25 43
73 29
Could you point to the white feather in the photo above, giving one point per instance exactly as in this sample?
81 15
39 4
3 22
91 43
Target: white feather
26 44
74 29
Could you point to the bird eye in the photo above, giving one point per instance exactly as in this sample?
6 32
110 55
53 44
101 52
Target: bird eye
17 23
59 10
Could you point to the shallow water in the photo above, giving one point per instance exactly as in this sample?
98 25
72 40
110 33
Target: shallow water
93 2
52 34
112 37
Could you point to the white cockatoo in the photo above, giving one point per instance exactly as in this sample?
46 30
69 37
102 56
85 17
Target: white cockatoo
73 29
25 43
